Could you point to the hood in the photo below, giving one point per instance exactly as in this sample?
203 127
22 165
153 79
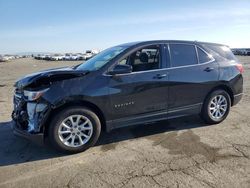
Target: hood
45 78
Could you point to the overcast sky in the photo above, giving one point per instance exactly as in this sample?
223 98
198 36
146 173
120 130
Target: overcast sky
78 25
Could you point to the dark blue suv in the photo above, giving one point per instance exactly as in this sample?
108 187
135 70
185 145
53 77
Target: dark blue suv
133 83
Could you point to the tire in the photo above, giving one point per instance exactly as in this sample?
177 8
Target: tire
208 113
74 136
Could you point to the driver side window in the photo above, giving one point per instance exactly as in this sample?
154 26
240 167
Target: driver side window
147 58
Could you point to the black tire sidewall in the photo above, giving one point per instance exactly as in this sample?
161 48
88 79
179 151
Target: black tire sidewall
56 121
205 111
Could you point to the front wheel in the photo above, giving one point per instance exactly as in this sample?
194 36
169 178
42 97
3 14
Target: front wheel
216 107
74 129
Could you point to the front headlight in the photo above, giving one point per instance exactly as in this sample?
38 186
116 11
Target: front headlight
34 95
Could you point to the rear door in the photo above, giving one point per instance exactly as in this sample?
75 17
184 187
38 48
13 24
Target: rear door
192 74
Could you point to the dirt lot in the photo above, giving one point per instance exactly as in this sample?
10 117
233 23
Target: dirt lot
177 153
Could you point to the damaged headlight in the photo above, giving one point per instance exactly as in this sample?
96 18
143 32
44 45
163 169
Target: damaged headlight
34 95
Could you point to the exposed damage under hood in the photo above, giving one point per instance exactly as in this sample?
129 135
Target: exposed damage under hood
30 114
45 78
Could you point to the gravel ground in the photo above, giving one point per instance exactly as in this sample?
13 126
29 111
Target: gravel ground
177 153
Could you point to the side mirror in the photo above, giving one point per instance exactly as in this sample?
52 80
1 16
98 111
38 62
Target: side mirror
121 69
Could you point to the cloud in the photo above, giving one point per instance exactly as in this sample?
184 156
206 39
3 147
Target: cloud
183 15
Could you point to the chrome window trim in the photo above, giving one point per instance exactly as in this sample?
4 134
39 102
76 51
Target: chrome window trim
198 61
184 66
169 68
154 70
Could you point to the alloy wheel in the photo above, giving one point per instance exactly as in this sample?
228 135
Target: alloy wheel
217 107
75 130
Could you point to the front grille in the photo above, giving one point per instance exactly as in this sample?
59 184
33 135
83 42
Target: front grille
20 109
18 91
18 100
18 97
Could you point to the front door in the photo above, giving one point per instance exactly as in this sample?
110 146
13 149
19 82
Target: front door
142 92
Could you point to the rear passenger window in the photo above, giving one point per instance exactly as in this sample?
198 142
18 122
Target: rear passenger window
203 57
182 55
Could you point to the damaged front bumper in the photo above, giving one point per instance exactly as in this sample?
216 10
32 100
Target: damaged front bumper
37 138
29 118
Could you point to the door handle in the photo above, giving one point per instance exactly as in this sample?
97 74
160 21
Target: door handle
160 76
208 69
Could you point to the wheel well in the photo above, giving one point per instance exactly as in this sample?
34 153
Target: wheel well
89 105
225 88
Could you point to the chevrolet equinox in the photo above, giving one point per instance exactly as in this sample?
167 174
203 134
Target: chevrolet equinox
129 84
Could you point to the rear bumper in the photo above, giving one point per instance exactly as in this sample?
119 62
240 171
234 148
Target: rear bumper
237 98
37 138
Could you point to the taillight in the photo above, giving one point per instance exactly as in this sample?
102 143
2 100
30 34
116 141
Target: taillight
240 68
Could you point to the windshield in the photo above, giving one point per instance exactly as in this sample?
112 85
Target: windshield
101 59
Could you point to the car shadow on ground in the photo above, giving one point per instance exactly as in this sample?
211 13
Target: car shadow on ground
15 150
138 131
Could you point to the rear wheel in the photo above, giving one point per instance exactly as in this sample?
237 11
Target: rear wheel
74 129
216 107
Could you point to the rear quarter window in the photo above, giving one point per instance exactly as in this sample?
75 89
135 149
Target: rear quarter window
182 55
203 56
223 51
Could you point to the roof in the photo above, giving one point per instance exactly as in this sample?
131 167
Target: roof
130 44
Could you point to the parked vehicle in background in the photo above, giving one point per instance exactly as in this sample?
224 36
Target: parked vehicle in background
57 57
67 56
80 56
90 53
47 57
3 58
7 57
87 55
129 84
241 51
73 57
38 56
43 57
